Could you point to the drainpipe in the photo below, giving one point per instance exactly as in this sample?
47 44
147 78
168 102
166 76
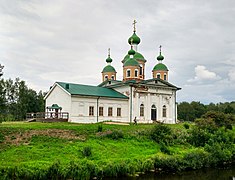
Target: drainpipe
131 105
97 109
175 109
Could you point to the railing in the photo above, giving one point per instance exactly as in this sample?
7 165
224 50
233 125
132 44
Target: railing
48 115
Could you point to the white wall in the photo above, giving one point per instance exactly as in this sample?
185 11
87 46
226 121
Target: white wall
60 97
158 97
78 106
80 109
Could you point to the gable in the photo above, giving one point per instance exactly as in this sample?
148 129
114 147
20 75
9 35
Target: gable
159 82
53 89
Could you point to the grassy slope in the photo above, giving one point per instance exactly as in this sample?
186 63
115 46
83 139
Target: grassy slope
45 149
40 151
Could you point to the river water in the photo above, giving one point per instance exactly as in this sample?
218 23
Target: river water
225 173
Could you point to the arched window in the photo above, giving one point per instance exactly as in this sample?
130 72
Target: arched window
106 77
153 113
136 72
141 69
141 110
128 73
164 111
158 75
165 76
112 77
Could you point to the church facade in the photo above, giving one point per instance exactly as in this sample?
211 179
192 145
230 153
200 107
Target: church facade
147 100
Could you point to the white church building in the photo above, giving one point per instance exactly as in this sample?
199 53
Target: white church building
147 100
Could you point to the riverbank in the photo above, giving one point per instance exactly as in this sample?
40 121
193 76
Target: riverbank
79 151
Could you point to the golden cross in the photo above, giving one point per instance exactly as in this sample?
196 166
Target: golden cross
109 52
134 25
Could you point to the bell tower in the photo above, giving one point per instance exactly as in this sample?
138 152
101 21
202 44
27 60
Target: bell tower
134 41
131 67
109 72
160 70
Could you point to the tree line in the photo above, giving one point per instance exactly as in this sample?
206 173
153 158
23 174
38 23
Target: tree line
191 111
17 99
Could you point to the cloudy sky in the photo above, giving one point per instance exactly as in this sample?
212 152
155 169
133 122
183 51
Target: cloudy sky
67 40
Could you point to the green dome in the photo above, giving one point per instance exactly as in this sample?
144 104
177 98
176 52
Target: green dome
161 67
109 60
160 57
135 39
131 52
131 62
137 56
108 68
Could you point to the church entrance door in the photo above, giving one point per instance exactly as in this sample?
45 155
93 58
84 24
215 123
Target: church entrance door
153 113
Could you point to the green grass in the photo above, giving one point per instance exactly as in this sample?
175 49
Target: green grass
49 149
45 152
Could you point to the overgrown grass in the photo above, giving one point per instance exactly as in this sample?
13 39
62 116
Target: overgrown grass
102 150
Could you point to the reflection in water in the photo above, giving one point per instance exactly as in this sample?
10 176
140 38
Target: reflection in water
203 174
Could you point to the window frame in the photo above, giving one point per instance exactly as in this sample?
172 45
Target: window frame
91 110
119 112
142 110
101 109
128 72
106 77
110 111
164 111
136 72
158 76
141 69
165 77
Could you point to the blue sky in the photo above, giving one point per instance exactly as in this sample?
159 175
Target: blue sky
65 40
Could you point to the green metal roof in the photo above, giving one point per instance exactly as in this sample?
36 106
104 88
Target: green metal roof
54 106
137 56
131 62
87 90
160 57
134 39
160 66
109 60
109 80
109 68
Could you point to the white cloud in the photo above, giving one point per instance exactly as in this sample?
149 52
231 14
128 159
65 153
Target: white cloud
45 41
203 74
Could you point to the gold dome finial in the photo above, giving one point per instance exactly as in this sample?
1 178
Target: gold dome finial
108 52
134 23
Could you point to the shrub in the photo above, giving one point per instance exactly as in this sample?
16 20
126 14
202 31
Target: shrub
100 128
171 163
115 135
164 149
198 137
161 134
219 152
196 159
87 151
186 126
1 137
218 119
